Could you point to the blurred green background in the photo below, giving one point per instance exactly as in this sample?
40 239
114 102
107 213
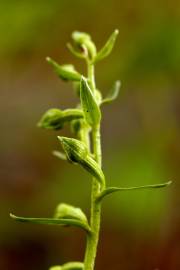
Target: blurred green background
141 145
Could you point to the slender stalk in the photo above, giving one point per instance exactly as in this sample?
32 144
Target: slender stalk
92 239
91 76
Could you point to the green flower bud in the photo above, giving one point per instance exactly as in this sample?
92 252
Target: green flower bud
68 211
76 151
92 113
65 72
55 118
84 40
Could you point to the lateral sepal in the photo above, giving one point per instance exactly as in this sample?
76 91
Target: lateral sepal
107 48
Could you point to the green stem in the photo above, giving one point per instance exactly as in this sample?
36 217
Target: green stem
92 239
91 76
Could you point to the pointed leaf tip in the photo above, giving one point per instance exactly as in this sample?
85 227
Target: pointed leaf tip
116 31
12 216
107 48
62 139
113 94
48 59
169 183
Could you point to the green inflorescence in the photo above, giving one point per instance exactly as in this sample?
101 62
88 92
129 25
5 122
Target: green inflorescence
85 121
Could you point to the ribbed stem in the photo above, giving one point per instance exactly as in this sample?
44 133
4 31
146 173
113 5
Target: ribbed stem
92 239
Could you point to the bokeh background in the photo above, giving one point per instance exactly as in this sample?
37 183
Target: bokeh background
141 145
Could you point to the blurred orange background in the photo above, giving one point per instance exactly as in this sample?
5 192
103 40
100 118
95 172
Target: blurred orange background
140 132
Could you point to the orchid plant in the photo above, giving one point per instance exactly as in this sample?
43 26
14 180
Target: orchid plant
84 148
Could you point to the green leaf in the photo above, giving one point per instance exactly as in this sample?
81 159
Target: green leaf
92 113
69 266
106 50
55 118
113 93
110 190
68 211
54 221
65 72
77 152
